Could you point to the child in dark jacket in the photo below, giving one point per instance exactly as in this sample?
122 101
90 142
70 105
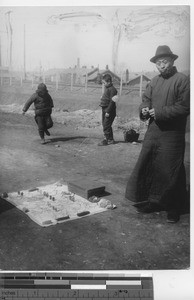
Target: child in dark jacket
108 104
43 104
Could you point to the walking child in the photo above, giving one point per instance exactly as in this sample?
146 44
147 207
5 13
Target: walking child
43 104
108 104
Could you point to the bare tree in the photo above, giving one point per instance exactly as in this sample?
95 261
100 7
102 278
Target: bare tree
161 21
158 20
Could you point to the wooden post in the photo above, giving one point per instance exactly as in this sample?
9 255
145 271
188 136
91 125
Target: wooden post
43 75
102 88
10 79
71 82
121 85
0 52
1 78
32 81
140 87
86 83
57 84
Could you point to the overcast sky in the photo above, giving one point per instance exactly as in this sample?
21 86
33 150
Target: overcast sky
119 36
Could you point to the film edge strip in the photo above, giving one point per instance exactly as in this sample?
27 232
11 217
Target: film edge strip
76 285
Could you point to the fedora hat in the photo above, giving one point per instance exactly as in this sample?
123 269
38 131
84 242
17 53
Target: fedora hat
163 51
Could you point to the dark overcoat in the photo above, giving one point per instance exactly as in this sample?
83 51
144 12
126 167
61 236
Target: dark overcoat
159 174
42 100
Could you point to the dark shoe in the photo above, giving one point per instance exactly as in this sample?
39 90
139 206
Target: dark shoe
103 143
148 208
47 132
43 141
173 216
110 142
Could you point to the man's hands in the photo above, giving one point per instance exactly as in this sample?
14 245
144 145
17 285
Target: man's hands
107 115
152 113
146 112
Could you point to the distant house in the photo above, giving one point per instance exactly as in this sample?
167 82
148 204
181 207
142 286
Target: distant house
137 80
7 74
96 75
4 71
64 75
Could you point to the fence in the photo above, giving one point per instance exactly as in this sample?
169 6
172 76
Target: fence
57 84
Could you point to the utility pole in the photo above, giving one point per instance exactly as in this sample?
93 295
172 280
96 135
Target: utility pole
0 53
9 35
24 52
121 84
0 64
86 82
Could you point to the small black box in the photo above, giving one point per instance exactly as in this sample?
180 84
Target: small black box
86 188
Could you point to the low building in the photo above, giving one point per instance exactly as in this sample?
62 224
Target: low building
139 79
96 76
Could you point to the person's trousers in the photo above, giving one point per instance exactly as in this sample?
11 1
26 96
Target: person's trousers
43 122
107 123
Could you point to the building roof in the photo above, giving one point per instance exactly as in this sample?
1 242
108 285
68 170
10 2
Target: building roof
80 71
4 69
137 79
94 75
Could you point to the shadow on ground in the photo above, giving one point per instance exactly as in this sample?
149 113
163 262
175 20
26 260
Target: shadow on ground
65 139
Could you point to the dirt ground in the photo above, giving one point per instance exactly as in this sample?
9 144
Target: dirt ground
118 239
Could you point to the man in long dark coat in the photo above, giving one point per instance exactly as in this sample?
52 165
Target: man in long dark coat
158 181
